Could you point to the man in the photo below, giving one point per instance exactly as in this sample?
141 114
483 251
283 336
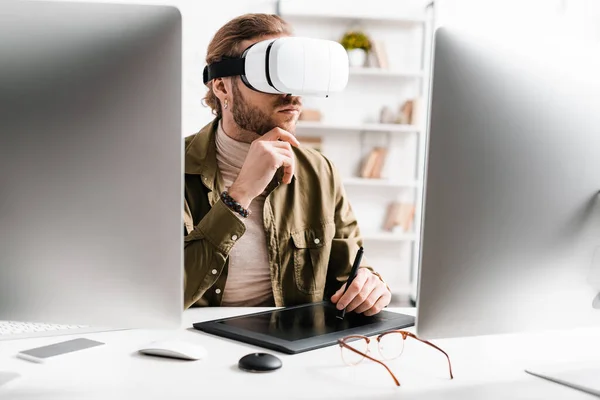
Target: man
267 222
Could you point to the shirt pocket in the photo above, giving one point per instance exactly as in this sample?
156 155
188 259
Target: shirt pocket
311 251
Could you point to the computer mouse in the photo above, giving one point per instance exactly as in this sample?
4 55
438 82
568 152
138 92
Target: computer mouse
259 362
175 348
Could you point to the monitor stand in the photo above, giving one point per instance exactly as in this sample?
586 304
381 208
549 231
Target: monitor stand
6 377
582 376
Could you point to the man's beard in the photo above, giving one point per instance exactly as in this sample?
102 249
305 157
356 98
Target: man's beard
253 119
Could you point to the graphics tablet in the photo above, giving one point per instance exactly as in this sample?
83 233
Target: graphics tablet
302 328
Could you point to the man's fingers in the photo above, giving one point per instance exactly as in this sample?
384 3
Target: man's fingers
353 291
370 301
280 144
379 304
336 296
362 296
288 167
288 172
284 151
279 134
284 158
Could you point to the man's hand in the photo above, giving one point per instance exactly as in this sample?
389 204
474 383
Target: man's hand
367 294
266 155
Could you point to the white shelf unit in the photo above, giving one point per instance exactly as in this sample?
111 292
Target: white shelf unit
350 125
384 73
410 14
351 17
304 126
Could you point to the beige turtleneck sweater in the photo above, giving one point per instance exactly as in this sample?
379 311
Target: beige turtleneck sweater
249 278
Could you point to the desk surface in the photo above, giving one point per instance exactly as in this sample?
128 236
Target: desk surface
485 367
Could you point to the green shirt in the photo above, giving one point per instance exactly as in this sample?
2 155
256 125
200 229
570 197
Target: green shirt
311 231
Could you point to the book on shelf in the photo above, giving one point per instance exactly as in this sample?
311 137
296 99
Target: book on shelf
373 163
410 112
399 214
407 112
311 141
309 114
367 165
379 162
378 55
417 111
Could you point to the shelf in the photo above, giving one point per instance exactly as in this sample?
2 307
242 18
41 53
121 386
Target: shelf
401 290
409 21
372 127
389 237
380 72
380 183
344 11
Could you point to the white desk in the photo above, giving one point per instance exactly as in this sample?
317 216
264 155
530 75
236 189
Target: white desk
488 368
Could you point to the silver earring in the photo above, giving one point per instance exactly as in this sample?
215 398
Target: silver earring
226 104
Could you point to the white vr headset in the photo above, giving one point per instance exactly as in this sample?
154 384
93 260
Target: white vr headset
287 65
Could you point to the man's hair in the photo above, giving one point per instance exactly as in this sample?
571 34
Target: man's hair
226 43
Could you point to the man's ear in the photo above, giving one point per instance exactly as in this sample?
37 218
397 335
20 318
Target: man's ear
220 88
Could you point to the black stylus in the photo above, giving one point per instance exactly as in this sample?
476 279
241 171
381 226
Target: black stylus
353 272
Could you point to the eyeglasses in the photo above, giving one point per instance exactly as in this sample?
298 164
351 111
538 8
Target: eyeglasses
355 348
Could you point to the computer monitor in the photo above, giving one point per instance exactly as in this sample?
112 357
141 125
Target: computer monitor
91 170
511 224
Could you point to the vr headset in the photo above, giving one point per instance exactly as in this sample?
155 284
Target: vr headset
288 65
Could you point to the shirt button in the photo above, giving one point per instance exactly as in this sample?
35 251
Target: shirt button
214 271
218 291
317 241
234 237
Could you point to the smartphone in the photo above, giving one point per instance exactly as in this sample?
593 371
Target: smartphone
41 354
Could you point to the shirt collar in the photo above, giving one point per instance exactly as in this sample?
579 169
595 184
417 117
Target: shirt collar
201 155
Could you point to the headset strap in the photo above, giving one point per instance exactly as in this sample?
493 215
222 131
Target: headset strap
223 68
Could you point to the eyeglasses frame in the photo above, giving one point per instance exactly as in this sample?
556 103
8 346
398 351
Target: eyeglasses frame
342 343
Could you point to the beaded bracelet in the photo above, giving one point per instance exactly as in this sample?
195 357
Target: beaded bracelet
234 205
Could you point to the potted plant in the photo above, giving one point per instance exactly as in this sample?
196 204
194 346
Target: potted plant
357 44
